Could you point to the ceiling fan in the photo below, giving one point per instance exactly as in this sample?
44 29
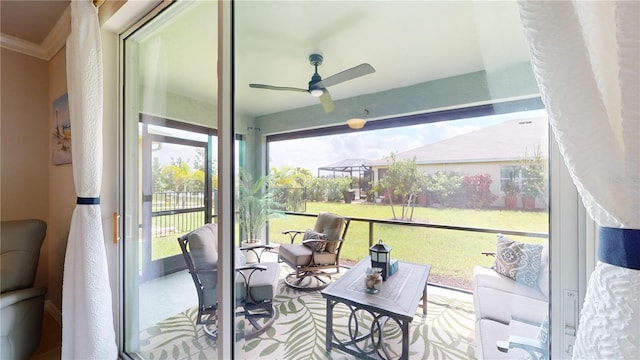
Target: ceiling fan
318 86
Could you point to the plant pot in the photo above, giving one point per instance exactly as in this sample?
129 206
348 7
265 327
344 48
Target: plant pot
528 202
511 202
251 256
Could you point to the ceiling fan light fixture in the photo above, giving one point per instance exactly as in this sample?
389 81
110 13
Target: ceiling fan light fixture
356 123
317 92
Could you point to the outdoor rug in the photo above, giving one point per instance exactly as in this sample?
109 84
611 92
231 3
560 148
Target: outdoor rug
447 332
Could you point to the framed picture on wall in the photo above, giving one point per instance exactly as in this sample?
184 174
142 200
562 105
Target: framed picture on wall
61 132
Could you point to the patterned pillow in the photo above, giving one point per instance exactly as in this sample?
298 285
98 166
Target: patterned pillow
518 261
319 246
543 331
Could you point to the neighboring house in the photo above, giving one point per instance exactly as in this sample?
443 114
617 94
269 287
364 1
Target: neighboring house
494 150
356 169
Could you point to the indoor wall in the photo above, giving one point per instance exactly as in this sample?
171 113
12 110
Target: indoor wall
25 140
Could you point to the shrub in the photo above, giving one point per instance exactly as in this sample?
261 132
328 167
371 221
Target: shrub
444 188
477 189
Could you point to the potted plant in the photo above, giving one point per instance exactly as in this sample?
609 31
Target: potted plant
344 186
255 206
533 179
511 190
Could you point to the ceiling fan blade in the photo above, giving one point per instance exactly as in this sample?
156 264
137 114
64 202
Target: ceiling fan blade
327 102
270 87
354 72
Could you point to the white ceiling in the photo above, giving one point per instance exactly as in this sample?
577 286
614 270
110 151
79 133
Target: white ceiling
406 42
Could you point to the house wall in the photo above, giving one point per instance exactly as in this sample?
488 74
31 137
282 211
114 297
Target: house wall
62 196
25 143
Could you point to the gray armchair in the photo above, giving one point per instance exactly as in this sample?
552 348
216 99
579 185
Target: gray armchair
22 304
317 257
255 284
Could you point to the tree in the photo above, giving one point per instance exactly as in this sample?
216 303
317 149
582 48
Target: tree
288 184
402 180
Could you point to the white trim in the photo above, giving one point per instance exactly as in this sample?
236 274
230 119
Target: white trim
49 47
57 38
21 46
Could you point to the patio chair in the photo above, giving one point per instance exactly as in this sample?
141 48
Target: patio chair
255 284
318 255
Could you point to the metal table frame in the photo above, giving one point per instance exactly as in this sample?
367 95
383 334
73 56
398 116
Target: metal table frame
398 301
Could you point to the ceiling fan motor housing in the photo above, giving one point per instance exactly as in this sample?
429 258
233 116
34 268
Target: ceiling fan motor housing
315 60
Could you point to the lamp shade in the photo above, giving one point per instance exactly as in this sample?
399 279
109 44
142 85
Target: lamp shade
317 92
356 123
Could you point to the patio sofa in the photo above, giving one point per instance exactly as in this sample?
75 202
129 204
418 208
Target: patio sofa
511 298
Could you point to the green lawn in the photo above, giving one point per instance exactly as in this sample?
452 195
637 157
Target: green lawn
452 254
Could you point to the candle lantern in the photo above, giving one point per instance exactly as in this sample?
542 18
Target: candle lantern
380 255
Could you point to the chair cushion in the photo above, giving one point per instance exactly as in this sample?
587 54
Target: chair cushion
20 248
295 254
499 298
262 284
203 249
331 225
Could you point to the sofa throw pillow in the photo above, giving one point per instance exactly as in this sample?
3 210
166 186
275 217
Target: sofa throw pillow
518 261
543 331
318 246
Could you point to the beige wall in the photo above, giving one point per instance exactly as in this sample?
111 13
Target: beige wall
25 143
62 194
31 186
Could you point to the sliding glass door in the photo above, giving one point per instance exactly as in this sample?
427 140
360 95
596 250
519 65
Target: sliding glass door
170 157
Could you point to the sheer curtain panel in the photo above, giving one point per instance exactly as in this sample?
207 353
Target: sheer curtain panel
87 318
585 57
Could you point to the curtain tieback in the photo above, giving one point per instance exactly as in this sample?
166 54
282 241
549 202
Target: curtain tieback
88 201
620 247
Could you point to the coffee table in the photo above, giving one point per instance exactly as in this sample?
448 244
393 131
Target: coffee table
397 300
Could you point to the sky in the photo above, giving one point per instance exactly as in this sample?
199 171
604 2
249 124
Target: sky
313 153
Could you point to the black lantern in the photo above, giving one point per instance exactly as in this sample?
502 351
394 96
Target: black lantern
380 258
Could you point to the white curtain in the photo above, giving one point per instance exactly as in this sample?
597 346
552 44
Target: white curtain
87 318
585 56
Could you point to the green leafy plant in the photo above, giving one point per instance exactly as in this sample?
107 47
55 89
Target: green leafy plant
402 180
444 188
510 187
533 170
256 204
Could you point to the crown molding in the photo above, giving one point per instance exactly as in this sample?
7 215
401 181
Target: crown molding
49 47
24 47
57 38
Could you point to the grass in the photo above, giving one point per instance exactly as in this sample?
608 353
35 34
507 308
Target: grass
452 254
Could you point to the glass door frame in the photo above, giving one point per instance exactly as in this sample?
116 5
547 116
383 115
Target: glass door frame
159 267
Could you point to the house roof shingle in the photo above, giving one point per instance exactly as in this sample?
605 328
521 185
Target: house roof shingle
507 141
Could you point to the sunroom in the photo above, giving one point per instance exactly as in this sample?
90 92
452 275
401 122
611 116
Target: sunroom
465 68
493 86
